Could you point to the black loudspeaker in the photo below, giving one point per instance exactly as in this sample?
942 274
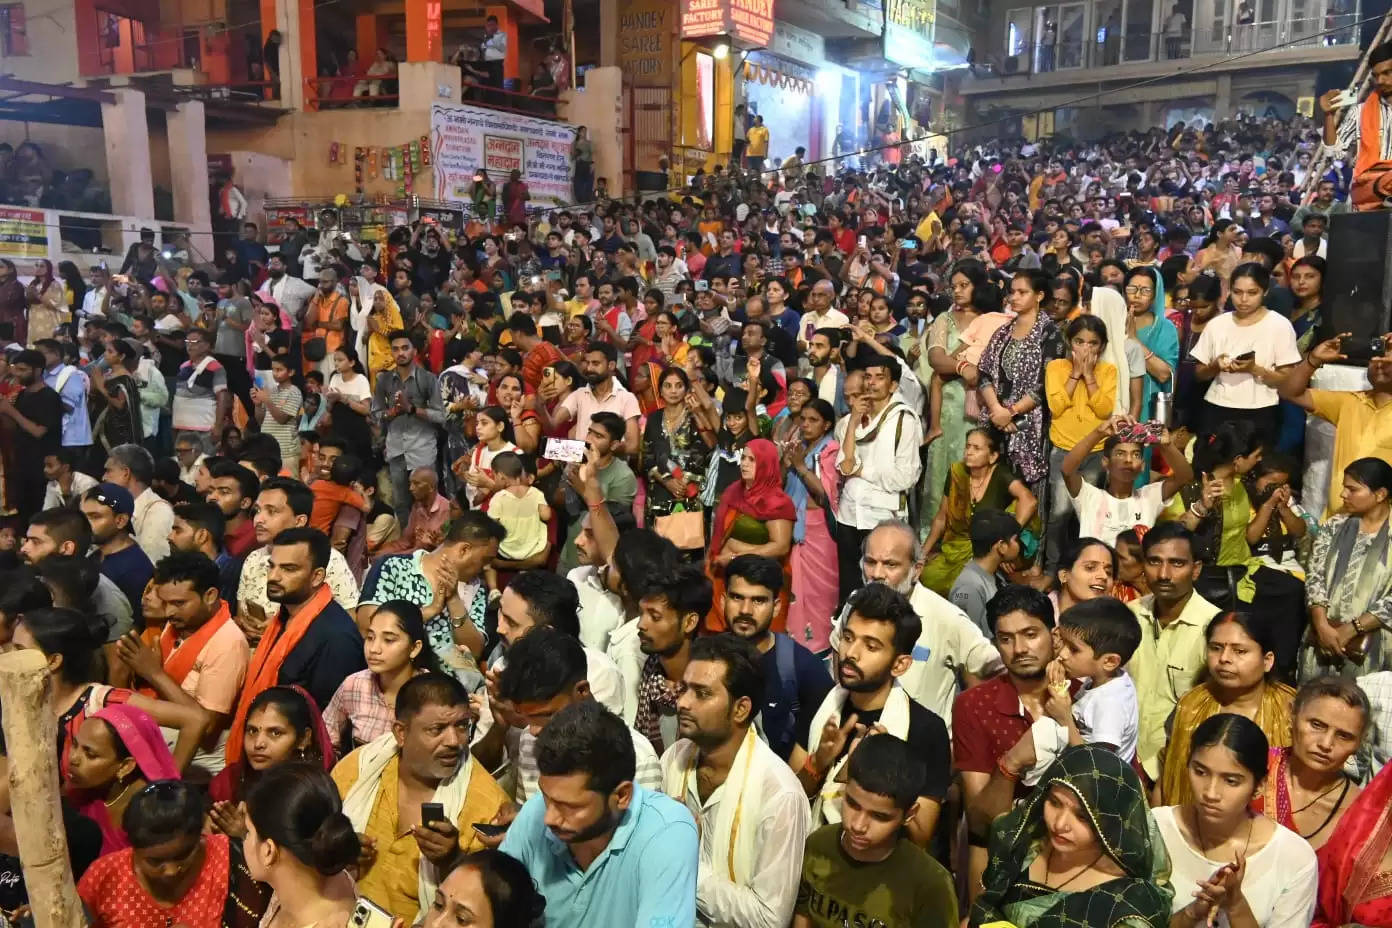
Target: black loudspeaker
1358 281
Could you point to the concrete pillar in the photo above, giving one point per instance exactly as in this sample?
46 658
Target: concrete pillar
127 136
372 33
188 173
299 57
609 33
422 83
1222 99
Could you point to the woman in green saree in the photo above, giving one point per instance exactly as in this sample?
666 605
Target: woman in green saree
980 480
1081 852
1349 620
971 289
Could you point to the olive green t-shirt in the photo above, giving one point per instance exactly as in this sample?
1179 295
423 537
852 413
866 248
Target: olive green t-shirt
908 889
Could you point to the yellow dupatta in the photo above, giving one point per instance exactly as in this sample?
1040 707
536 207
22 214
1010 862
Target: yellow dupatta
1197 705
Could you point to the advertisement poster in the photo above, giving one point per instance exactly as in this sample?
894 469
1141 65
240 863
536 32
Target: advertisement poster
23 233
466 138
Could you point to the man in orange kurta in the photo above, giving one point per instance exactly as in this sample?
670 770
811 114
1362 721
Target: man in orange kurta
1372 167
326 317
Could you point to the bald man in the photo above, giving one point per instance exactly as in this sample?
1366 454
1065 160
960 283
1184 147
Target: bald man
429 512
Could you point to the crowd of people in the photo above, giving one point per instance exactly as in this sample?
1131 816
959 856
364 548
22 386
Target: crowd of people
810 547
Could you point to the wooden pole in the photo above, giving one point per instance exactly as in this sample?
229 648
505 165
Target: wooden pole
31 733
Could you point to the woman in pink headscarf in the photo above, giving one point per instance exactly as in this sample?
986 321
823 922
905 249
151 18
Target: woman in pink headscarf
116 753
754 516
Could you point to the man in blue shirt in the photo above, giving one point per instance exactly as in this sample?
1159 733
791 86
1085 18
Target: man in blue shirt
602 850
71 385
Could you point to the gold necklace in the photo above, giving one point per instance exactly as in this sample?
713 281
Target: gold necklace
119 796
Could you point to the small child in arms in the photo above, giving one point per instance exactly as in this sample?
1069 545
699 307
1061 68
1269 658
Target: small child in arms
520 508
1096 639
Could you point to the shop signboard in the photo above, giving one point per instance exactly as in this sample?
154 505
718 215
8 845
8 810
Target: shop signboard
746 21
23 233
908 34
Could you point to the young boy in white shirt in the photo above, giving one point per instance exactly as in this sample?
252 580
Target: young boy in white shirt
1096 640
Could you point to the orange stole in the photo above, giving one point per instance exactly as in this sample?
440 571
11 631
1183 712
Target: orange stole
276 644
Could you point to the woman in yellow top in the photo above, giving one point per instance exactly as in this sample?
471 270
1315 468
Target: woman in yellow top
1081 391
1240 658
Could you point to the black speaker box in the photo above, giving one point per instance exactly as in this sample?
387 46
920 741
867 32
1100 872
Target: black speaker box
1358 281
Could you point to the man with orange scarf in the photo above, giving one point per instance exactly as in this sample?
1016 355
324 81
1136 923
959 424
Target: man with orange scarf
202 652
1372 166
311 641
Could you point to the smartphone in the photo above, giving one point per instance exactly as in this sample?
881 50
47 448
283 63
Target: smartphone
566 450
432 812
861 242
1245 356
489 830
702 286
553 274
368 914
1142 433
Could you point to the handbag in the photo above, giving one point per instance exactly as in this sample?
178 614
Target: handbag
686 530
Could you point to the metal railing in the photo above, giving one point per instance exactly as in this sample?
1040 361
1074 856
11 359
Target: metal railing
323 93
1217 38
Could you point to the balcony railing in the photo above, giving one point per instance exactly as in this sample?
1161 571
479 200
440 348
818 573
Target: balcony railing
323 93
1207 39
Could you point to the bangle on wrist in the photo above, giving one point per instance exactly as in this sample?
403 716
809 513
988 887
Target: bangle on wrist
1005 771
1197 511
1310 361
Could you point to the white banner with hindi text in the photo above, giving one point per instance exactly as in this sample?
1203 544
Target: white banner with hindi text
466 138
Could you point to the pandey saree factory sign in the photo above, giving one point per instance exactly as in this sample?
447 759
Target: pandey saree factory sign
748 21
908 34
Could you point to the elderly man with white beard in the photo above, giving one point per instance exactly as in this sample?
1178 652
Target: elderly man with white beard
950 641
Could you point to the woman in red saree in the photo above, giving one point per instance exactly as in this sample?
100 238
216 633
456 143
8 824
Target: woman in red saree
1355 866
1305 787
754 516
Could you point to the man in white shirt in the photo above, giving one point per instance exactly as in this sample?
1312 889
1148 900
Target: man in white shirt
1312 240
601 608
537 598
66 486
95 296
752 813
132 467
289 293
820 314
1104 514
494 50
878 459
546 671
950 642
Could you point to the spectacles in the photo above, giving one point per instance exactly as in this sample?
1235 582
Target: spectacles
1136 291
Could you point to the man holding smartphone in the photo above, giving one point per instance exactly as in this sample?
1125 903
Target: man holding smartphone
413 794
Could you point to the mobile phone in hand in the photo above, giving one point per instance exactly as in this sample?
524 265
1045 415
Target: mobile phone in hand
1245 356
432 812
489 830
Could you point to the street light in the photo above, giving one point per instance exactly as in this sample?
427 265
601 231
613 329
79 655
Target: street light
721 51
